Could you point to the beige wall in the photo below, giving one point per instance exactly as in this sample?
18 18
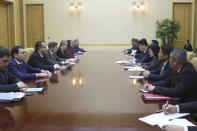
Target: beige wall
103 21
195 24
19 30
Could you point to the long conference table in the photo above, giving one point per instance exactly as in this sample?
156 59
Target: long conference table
94 95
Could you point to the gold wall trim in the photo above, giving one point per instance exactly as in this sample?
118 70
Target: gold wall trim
105 44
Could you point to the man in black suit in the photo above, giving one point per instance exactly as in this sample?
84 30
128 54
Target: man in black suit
189 107
52 57
135 46
183 82
8 82
39 60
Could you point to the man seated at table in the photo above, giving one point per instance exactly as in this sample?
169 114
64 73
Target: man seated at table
18 66
145 56
163 71
39 60
76 48
189 107
183 82
51 54
134 43
8 82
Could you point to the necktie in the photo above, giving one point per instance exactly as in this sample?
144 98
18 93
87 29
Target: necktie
162 69
21 68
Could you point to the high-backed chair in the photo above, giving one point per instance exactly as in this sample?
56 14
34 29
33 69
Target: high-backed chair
190 55
194 62
29 51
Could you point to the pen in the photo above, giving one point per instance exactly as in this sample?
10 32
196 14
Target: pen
158 111
24 91
166 105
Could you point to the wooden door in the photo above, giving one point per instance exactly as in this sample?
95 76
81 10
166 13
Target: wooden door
7 32
35 24
4 33
182 14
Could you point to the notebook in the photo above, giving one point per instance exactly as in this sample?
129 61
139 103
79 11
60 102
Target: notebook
150 96
11 96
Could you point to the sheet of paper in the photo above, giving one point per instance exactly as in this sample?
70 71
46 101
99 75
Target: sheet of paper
178 122
130 64
121 62
133 67
34 89
160 117
136 69
136 77
11 95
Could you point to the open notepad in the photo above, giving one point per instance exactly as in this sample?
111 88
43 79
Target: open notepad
155 119
11 96
136 77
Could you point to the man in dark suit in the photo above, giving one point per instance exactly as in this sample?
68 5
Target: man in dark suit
76 48
52 57
18 66
8 82
145 56
39 60
183 82
163 71
189 107
135 46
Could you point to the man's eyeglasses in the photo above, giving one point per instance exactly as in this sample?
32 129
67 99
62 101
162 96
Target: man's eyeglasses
43 47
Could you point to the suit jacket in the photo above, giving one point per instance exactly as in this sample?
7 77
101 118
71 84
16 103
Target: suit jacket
75 49
8 82
167 82
37 61
155 74
54 58
61 54
144 57
79 49
188 48
155 63
129 51
189 107
183 85
192 128
22 71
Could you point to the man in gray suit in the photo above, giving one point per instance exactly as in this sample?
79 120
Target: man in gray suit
52 57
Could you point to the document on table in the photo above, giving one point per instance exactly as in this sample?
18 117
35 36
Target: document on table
128 67
122 62
11 96
160 117
136 77
136 69
34 89
178 122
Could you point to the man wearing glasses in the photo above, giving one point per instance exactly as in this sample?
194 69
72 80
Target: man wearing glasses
39 60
